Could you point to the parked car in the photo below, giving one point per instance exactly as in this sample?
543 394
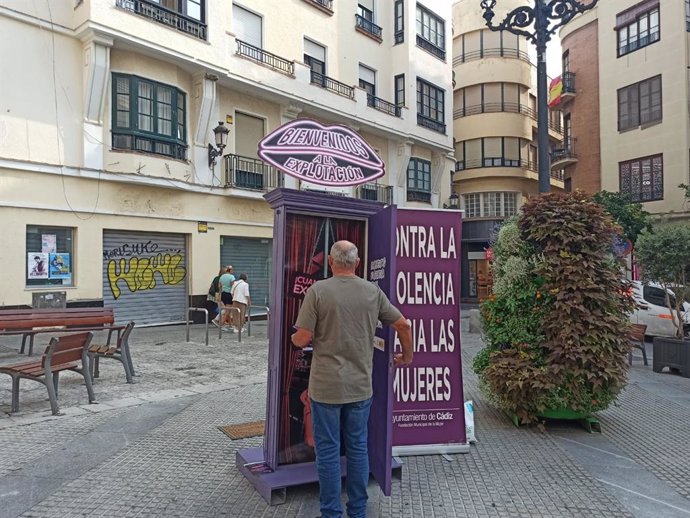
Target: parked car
652 311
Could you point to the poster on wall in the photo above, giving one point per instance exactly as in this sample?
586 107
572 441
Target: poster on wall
48 243
37 265
60 267
428 413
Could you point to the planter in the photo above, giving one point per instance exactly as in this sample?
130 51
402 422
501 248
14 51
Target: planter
586 420
673 353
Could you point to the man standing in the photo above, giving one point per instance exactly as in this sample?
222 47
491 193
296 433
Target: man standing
339 316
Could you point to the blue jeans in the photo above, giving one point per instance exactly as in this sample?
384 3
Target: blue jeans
328 421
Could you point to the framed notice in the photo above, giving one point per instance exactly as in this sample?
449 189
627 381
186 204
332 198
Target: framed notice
37 265
48 243
60 266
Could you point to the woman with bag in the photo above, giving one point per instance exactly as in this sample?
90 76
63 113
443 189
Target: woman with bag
213 302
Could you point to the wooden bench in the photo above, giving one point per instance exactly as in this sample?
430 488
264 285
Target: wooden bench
65 353
29 322
636 338
119 352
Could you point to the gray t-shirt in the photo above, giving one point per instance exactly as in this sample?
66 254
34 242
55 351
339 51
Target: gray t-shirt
342 312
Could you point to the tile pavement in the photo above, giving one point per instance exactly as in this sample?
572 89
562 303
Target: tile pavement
179 464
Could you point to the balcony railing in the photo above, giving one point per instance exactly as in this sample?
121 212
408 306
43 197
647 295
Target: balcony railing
477 163
162 15
368 26
399 36
243 172
417 195
322 4
565 153
503 107
568 83
331 84
430 47
429 123
265 58
383 106
491 53
375 192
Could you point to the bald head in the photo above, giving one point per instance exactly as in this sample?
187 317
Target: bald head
344 256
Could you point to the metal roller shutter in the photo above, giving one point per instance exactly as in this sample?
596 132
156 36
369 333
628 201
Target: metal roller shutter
145 276
253 257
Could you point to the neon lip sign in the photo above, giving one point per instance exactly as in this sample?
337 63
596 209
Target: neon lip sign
325 155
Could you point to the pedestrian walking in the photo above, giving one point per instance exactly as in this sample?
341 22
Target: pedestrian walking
227 279
240 300
338 318
213 298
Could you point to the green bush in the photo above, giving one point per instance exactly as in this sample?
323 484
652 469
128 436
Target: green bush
557 322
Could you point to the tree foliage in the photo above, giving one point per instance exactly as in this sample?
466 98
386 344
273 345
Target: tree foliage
632 218
664 257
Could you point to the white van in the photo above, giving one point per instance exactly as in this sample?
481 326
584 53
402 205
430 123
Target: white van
652 311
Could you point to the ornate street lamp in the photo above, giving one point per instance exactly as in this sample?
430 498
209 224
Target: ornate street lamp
535 24
221 134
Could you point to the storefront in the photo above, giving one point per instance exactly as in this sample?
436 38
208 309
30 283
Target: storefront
145 276
476 274
251 256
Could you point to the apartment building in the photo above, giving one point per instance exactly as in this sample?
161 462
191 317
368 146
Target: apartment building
495 133
626 108
110 187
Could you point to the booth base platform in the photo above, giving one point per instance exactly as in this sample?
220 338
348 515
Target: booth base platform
272 484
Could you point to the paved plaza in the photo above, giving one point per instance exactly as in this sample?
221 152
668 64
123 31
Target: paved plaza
153 448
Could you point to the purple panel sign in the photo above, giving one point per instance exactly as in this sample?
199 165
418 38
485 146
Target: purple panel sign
325 155
428 405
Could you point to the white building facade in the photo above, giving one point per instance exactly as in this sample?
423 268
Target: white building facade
107 110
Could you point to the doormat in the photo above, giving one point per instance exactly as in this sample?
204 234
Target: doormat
243 430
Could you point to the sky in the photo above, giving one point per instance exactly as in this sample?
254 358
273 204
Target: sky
553 56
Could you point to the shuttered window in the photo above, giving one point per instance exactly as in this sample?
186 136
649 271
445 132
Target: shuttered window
248 26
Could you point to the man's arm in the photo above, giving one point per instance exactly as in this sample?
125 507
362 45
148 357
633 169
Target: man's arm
404 330
302 337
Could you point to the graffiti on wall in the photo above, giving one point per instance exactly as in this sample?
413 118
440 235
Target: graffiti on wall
137 265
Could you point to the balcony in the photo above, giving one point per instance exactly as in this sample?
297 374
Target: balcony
495 52
568 91
368 28
241 172
323 5
332 85
431 48
383 106
267 59
477 163
375 192
432 124
504 107
563 157
164 16
418 195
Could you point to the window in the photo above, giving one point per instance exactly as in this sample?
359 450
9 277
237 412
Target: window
367 81
489 204
431 32
49 256
639 104
430 106
568 132
566 61
315 57
149 117
366 12
687 15
419 180
637 27
642 179
190 8
399 95
399 21
657 296
491 152
247 26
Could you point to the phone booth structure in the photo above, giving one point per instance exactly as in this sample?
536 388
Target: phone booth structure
306 224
